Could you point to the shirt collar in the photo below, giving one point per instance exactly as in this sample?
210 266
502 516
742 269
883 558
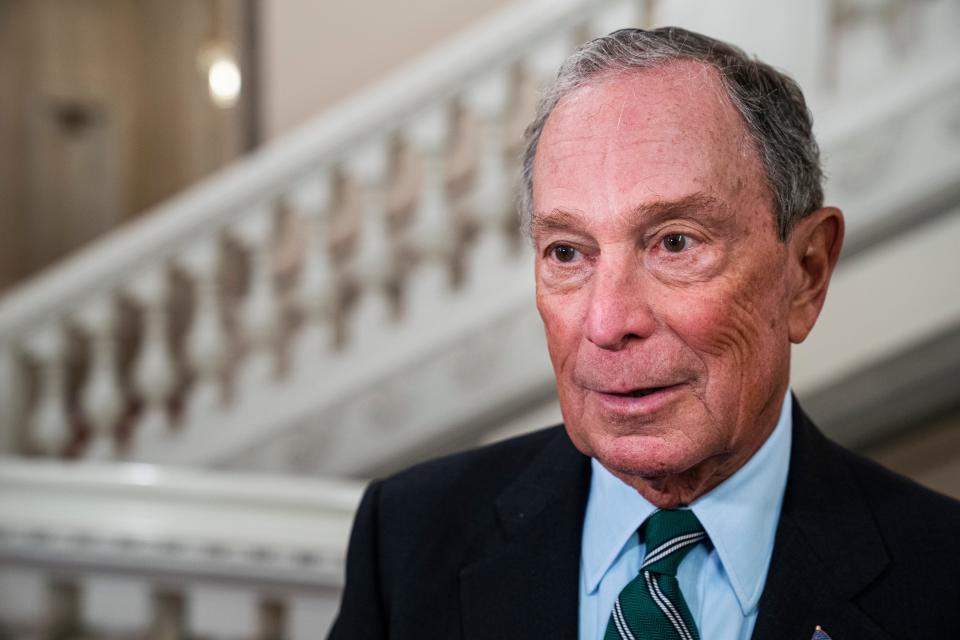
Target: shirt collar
614 513
740 515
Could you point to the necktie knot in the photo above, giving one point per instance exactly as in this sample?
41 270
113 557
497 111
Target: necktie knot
669 536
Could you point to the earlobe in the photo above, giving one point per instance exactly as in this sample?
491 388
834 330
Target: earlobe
815 245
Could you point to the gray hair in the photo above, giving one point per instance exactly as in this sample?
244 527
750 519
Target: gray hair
769 101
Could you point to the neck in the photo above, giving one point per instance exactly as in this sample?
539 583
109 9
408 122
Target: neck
679 490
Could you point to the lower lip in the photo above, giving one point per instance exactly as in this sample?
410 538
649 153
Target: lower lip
641 405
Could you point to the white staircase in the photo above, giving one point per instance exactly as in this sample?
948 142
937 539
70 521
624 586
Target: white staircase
136 551
302 275
355 296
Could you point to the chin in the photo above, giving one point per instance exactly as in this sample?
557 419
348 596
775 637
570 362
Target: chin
646 456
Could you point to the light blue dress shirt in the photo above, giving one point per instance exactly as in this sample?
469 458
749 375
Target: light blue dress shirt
721 581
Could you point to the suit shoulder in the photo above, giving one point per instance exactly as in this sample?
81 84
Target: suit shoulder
906 508
449 504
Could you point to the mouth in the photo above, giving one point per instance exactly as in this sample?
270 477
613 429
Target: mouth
639 392
640 400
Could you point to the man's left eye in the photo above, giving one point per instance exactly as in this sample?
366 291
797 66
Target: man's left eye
675 242
564 252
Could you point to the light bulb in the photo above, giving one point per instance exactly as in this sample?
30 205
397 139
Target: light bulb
224 80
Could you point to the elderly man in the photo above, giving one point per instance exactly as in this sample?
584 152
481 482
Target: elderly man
673 199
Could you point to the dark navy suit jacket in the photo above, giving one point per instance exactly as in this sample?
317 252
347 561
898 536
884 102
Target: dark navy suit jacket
486 544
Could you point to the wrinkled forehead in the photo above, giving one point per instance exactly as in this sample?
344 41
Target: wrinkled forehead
677 115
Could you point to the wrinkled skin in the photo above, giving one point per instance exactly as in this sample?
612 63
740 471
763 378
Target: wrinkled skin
659 271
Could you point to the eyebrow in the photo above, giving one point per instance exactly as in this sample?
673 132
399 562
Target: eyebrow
560 219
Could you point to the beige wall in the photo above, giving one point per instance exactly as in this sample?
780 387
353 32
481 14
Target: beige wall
314 53
104 112
144 127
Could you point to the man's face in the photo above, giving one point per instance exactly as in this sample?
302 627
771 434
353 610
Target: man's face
661 281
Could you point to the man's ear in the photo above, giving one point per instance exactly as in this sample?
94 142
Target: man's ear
814 248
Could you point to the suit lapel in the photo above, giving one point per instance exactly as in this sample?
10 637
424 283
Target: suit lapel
525 584
827 548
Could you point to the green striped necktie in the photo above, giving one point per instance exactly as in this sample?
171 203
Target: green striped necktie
651 606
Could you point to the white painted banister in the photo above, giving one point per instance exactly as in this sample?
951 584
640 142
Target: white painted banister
285 273
206 341
263 335
544 61
433 236
260 312
433 231
490 204
202 210
317 286
615 15
374 256
123 538
102 400
49 423
154 369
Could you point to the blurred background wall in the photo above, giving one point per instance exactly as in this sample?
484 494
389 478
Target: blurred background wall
316 53
254 253
106 113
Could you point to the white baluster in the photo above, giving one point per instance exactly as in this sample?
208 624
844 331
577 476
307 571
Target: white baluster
433 233
316 288
49 423
23 594
310 615
619 14
116 606
491 201
154 370
545 57
259 312
101 400
373 255
217 612
13 386
205 344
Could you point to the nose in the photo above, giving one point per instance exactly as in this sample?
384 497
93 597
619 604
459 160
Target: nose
619 310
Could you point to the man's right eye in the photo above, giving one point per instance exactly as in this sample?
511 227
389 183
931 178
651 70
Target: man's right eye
564 252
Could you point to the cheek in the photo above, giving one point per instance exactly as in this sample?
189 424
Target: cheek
734 324
562 326
563 332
